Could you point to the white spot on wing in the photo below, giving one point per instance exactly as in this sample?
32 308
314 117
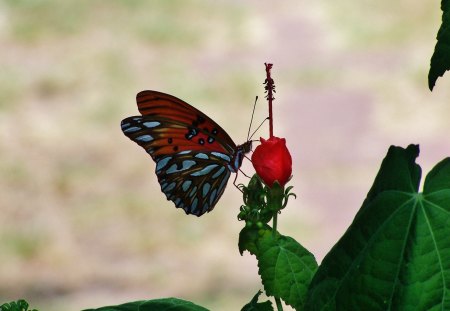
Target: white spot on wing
162 163
205 170
221 155
145 138
151 124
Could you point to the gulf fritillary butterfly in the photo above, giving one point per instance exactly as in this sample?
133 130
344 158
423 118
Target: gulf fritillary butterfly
194 156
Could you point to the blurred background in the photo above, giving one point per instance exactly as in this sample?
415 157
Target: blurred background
82 220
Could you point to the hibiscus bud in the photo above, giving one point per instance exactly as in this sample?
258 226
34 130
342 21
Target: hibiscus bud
272 161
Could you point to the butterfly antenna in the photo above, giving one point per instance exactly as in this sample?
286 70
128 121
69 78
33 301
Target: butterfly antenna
258 128
251 120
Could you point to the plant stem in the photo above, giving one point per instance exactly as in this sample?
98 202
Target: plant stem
279 305
269 88
274 228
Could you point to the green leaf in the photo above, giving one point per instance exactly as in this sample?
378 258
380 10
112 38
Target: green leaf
286 268
164 304
19 305
440 61
396 253
249 236
254 305
398 171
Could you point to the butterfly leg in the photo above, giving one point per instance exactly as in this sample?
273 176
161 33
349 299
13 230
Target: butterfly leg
243 173
234 182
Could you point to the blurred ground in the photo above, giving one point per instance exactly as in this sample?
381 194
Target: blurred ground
83 223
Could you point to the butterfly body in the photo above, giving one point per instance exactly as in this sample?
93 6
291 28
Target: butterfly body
194 156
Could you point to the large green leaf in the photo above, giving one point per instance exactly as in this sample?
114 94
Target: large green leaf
440 61
164 304
396 253
286 268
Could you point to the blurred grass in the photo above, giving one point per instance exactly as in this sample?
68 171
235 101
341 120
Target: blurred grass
83 222
69 74
21 245
33 20
369 24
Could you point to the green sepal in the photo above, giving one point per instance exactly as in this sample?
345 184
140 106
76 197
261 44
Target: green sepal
275 197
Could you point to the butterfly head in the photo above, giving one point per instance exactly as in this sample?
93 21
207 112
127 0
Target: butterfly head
241 150
245 147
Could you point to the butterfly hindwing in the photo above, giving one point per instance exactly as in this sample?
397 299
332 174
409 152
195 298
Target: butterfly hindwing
194 181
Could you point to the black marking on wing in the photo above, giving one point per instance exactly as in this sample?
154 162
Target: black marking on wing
194 181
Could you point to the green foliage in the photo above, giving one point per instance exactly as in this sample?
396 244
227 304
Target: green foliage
286 268
249 237
261 202
254 211
396 253
254 305
164 304
440 61
19 305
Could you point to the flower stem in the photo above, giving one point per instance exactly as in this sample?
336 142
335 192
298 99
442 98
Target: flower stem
270 89
274 226
279 305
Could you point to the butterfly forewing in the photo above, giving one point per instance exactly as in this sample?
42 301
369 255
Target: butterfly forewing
183 123
194 156
161 137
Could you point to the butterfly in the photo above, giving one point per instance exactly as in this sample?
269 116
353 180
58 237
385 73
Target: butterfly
194 156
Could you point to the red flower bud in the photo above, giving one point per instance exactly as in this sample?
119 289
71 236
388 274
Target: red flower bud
272 161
